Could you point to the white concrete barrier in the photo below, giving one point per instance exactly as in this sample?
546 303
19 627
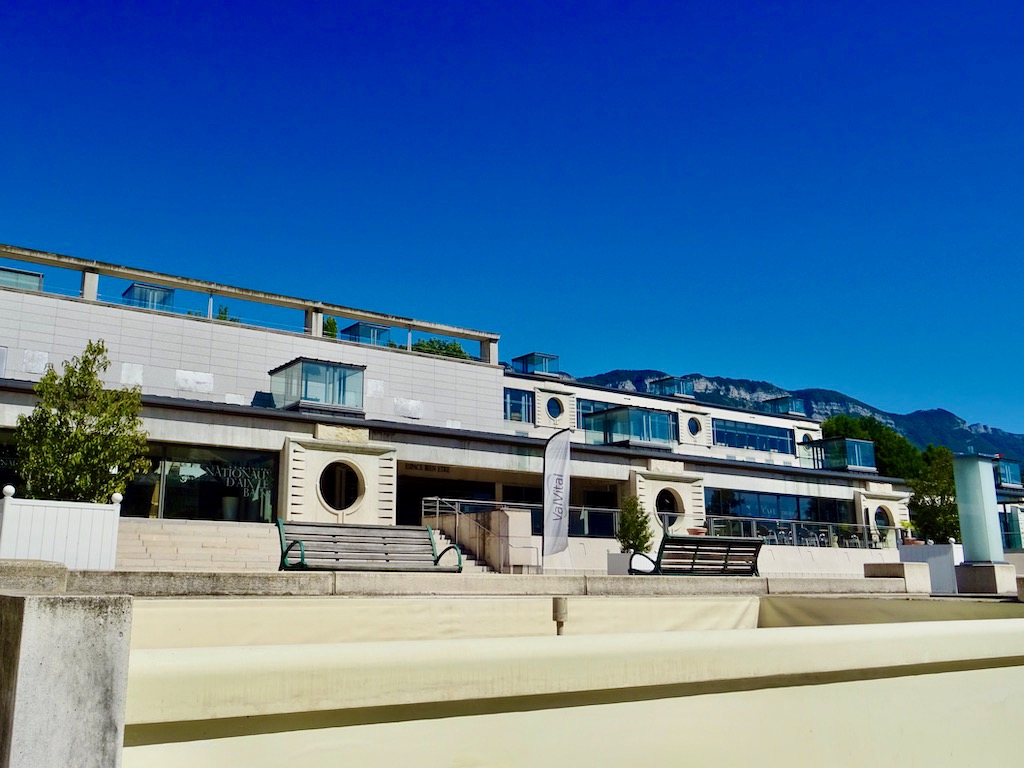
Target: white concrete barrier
794 697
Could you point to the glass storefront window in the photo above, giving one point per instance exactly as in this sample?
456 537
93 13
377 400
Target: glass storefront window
720 502
9 463
198 483
142 496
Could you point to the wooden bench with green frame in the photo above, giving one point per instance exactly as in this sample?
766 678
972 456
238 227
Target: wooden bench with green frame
700 556
334 547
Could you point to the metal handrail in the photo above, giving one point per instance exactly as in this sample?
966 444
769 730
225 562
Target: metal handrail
454 507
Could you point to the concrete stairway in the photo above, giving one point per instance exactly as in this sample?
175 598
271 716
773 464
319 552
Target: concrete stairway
196 545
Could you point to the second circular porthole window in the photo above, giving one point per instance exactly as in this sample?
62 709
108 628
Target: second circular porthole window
340 486
694 426
555 407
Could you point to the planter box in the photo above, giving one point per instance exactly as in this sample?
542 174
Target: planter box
81 536
618 563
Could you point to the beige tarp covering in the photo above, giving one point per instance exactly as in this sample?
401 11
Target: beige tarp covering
818 611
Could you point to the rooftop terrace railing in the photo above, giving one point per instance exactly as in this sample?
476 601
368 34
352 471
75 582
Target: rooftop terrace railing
68 276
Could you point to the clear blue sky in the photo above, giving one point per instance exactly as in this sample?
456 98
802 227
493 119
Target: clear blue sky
814 194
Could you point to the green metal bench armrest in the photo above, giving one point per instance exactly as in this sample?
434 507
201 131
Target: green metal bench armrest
656 571
286 548
443 551
433 549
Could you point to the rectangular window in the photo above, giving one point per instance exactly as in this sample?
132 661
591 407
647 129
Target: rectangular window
586 407
519 405
754 437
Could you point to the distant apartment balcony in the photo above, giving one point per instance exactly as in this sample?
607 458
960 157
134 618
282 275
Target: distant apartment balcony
838 453
631 426
374 334
1009 490
316 385
787 405
149 297
537 363
1007 474
671 386
17 278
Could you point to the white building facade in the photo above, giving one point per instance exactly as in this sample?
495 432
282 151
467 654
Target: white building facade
248 422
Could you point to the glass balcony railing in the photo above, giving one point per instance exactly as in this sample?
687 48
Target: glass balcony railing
838 453
803 533
629 425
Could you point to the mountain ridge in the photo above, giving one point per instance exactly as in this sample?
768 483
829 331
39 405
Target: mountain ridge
936 426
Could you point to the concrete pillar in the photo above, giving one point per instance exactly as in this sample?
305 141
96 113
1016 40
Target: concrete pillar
314 322
63 679
984 570
489 352
90 285
976 504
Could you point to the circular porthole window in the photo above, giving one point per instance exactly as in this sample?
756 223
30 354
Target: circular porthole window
668 508
806 438
340 486
694 426
555 407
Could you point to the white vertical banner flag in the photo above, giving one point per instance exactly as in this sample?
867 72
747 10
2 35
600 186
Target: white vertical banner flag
556 493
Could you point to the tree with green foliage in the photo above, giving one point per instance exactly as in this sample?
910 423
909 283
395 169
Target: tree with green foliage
440 347
330 328
81 442
633 532
895 456
223 313
933 507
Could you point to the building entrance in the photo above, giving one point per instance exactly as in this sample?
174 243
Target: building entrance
412 491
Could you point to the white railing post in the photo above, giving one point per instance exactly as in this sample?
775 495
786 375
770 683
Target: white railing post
8 494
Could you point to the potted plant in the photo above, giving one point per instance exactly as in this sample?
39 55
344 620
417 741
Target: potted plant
908 533
633 533
76 453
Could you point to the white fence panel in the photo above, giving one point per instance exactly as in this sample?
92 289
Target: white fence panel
81 536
